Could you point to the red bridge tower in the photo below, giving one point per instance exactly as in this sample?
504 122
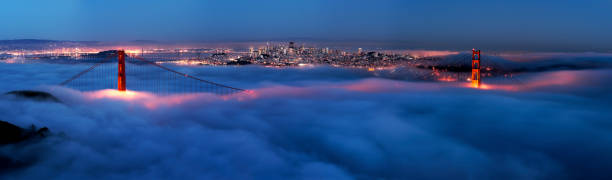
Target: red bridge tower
121 75
475 68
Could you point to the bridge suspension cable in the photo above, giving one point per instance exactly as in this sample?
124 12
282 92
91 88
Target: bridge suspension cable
162 80
185 75
85 71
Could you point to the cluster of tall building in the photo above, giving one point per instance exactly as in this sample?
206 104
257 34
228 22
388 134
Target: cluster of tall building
289 49
276 50
287 54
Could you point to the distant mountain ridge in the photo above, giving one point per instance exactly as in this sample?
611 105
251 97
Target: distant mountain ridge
35 44
26 41
38 44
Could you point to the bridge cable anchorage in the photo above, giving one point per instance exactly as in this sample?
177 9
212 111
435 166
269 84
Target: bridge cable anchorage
85 71
187 75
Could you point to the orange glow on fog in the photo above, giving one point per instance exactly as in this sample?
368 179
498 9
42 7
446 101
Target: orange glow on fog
169 101
247 94
148 100
484 86
133 51
560 78
426 53
447 79
152 101
114 94
13 61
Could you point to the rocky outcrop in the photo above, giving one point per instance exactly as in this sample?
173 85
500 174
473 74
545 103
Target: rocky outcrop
11 134
34 95
14 135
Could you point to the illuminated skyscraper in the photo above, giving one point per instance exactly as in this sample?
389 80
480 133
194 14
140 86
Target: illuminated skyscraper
291 45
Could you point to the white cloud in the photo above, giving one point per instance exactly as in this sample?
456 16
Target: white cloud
313 128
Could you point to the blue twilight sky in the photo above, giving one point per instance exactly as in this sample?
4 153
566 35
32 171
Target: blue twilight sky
518 24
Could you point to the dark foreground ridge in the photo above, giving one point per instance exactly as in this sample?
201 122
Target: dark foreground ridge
17 136
11 134
34 95
13 139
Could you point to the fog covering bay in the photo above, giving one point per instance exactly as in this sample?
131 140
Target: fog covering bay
316 123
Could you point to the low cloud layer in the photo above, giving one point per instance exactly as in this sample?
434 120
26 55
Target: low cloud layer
323 128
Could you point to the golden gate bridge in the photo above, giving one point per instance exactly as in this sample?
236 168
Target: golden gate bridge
117 70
